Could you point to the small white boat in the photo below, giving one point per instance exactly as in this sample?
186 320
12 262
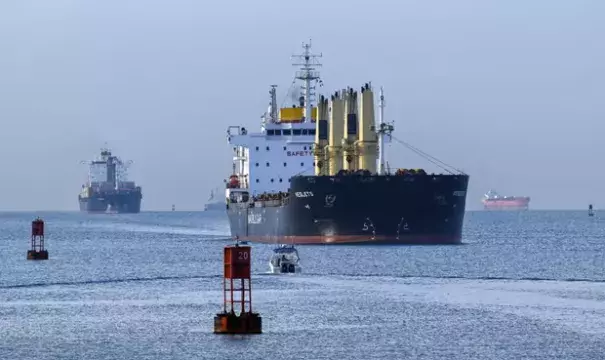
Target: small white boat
285 259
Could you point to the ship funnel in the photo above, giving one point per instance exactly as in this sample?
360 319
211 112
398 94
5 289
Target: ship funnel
320 148
350 130
367 141
335 132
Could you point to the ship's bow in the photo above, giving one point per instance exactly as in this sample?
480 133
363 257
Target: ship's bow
423 209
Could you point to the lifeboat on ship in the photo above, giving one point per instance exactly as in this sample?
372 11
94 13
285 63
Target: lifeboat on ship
233 182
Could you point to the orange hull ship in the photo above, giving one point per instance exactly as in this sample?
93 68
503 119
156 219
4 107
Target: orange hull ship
494 201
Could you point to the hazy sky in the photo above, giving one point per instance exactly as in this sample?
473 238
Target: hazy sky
511 91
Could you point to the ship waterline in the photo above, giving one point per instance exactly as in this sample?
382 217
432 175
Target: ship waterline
355 240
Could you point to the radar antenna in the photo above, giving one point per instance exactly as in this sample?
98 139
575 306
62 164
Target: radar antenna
308 73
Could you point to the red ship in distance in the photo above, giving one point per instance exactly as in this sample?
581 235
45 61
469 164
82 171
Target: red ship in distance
494 201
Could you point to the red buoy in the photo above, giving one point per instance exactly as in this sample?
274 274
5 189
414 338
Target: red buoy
237 316
37 251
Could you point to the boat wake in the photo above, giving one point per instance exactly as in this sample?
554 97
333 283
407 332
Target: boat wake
175 230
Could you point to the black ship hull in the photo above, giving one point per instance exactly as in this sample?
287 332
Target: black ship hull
128 203
354 209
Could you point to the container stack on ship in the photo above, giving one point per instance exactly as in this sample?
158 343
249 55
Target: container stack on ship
107 189
315 174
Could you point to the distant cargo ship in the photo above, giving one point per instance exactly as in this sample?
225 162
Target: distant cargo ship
214 204
107 189
494 201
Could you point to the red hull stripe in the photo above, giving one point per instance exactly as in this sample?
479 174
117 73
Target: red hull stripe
354 239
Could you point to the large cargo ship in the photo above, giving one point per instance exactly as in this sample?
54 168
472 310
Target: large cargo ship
316 174
494 201
107 189
214 203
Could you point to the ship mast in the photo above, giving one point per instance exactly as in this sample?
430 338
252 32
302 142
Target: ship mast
307 73
273 105
384 129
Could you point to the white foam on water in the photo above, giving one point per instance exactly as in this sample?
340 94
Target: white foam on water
221 230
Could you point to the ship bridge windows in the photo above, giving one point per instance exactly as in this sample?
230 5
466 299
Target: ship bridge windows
267 164
290 132
239 197
267 148
274 132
